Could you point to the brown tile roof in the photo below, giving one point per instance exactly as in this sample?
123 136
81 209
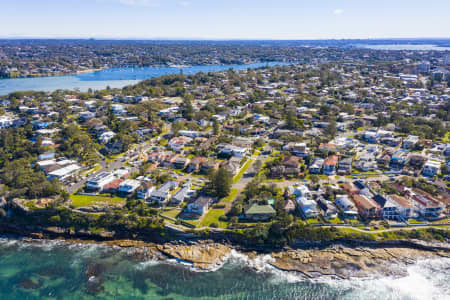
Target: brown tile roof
364 203
402 201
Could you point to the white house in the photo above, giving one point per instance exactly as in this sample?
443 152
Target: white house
200 205
99 181
145 191
129 186
347 206
431 168
304 201
163 195
65 172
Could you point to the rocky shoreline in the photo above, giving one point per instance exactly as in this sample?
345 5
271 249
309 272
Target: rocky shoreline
340 261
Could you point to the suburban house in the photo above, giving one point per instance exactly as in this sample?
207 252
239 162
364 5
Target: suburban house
181 195
258 212
403 207
410 141
233 165
305 203
230 150
65 172
350 188
346 205
99 181
329 165
368 208
145 191
113 186
345 165
431 168
189 133
200 205
291 162
196 164
163 195
129 186
399 158
316 166
181 162
428 206
417 161
329 210
300 149
209 165
178 143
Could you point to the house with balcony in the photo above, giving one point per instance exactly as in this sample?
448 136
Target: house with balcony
145 191
367 208
330 165
347 206
306 205
163 195
128 187
200 205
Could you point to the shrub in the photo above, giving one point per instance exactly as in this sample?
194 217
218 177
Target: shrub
223 218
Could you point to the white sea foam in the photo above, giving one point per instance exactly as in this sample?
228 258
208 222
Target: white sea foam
425 280
146 264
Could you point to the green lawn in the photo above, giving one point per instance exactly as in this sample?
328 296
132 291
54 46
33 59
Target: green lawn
96 168
243 170
335 221
230 197
447 137
213 217
114 157
173 213
86 200
314 221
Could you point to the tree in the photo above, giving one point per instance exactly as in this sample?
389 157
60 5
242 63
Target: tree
331 129
221 182
188 109
177 126
216 127
314 179
292 122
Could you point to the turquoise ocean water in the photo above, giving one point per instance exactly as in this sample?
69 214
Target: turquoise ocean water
57 270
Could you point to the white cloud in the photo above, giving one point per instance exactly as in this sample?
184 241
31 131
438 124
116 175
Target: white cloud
184 3
146 3
150 3
338 11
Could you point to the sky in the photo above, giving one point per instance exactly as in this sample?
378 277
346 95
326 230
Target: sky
225 19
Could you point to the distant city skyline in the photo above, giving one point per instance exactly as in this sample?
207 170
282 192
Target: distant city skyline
230 19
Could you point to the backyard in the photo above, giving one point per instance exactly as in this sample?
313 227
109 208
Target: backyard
88 200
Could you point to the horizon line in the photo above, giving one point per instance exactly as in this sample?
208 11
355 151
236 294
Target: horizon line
43 37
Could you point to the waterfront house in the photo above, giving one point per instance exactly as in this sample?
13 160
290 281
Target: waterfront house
200 205
163 195
258 212
129 186
346 205
145 190
366 207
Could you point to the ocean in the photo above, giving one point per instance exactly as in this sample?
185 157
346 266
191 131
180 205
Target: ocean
60 270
